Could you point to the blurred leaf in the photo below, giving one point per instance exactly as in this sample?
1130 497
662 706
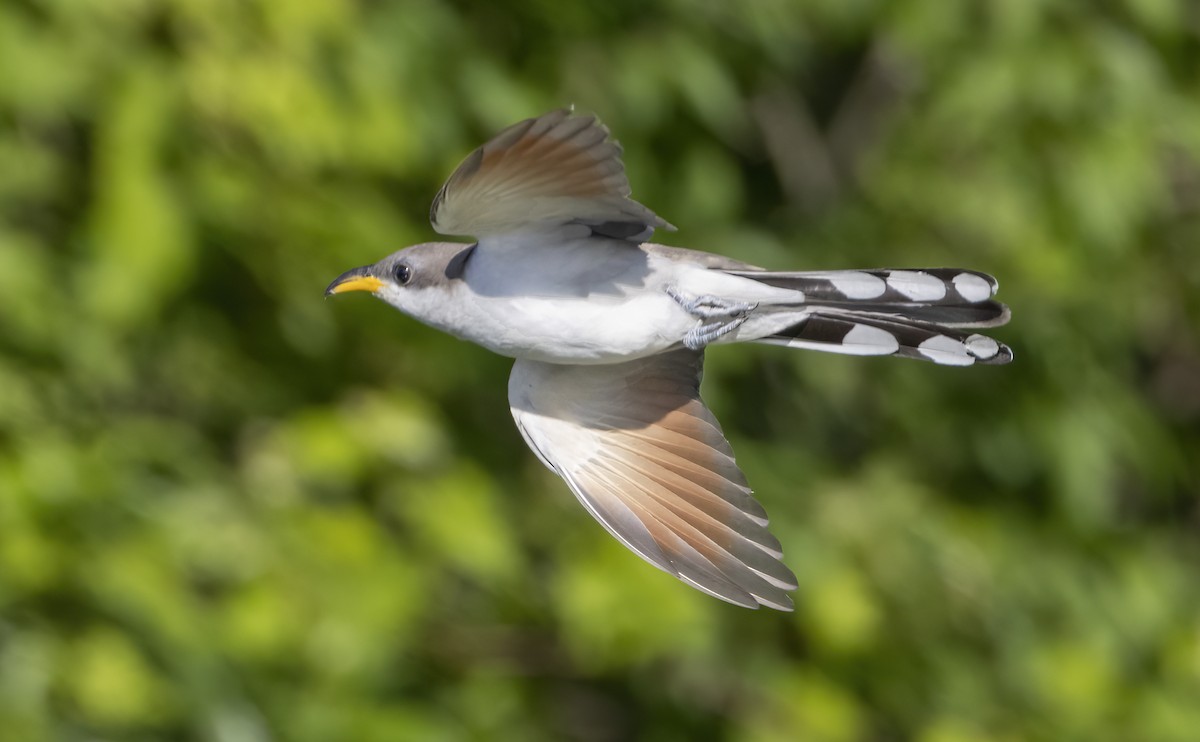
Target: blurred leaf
112 683
231 510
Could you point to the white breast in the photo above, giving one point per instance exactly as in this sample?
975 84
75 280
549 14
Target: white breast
583 301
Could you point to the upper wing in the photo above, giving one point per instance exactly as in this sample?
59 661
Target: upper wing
552 170
648 460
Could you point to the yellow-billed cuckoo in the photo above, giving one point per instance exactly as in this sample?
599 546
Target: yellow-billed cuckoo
608 332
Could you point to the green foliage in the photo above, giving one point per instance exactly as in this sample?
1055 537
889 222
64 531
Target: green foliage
232 511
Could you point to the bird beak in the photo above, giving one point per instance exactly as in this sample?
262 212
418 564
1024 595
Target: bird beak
357 279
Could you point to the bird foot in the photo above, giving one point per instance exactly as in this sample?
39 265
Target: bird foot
708 306
702 335
718 317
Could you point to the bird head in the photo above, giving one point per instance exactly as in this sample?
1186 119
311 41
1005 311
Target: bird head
403 279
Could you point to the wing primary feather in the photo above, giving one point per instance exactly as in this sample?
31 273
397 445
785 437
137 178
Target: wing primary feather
732 508
742 552
682 556
550 172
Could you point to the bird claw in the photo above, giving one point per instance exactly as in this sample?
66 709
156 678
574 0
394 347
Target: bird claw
708 306
702 335
718 317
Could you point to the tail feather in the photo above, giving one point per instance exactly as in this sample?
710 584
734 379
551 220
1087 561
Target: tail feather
924 314
990 313
923 286
855 334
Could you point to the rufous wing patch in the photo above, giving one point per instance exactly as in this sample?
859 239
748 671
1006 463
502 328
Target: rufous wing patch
643 454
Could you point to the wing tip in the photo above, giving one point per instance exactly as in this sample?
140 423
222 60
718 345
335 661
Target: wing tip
743 598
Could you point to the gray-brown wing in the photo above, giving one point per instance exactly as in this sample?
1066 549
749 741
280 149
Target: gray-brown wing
648 460
548 171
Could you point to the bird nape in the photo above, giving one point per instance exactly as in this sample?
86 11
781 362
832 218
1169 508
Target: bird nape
609 331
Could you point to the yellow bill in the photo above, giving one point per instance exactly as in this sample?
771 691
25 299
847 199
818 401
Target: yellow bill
357 279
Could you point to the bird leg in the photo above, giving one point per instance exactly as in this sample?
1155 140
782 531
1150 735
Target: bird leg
718 316
701 335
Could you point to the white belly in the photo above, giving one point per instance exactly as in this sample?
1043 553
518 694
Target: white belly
578 330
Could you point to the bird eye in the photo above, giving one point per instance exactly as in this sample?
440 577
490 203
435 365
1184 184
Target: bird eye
402 273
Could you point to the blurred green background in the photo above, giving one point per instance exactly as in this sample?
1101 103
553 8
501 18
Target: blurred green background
232 511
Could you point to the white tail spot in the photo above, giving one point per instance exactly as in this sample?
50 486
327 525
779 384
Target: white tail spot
877 340
916 285
982 346
857 285
972 288
946 351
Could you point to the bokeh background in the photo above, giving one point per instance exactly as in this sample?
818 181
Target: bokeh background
233 511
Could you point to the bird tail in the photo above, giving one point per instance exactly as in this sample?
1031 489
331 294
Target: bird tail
927 314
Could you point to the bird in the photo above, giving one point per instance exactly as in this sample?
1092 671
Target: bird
608 332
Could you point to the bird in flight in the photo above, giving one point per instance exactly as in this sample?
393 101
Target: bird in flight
609 331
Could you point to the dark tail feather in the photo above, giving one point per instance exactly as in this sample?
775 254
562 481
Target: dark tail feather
913 313
990 313
946 296
857 333
946 286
